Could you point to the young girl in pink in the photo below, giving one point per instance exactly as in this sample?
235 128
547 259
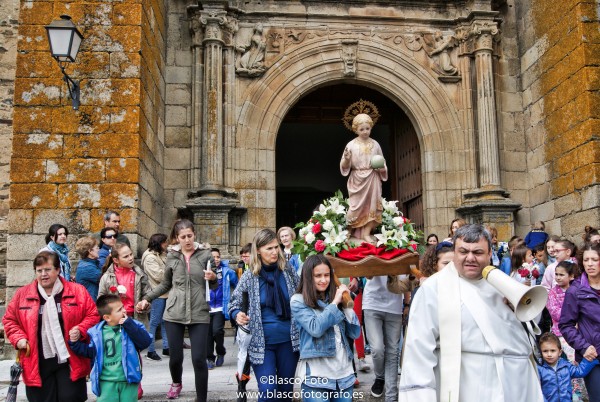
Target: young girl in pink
564 274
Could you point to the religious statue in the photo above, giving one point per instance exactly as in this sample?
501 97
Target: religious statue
251 63
363 162
437 45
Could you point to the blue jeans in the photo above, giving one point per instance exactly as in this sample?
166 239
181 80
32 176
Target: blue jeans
156 319
313 394
276 375
383 331
592 383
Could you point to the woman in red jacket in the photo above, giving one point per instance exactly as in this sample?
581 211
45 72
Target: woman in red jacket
39 318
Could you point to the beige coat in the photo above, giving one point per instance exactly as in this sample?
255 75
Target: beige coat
140 290
153 265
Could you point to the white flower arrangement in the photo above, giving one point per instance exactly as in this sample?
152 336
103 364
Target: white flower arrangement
326 231
121 289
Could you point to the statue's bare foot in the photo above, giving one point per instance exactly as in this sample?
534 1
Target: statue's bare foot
370 239
355 241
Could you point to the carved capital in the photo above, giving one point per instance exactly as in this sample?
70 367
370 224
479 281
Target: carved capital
479 36
214 22
196 30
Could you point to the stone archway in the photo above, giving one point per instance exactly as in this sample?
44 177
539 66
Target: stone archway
433 112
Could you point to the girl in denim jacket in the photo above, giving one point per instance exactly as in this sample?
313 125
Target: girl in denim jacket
326 333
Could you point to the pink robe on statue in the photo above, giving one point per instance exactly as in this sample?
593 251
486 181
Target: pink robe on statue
364 184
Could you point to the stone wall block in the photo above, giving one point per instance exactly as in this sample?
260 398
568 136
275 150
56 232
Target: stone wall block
33 38
20 273
86 170
178 94
20 221
568 204
27 120
88 119
124 170
76 220
124 119
36 64
119 195
80 195
57 171
26 196
586 176
113 38
573 225
178 137
36 92
543 212
126 92
36 13
127 14
91 65
125 65
102 146
24 246
562 185
590 197
27 170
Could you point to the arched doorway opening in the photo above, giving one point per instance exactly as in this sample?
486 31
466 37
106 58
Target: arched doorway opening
310 142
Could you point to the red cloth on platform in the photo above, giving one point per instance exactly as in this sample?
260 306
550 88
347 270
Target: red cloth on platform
366 249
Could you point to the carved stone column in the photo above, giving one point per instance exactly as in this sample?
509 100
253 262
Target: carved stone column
215 208
489 160
211 174
489 203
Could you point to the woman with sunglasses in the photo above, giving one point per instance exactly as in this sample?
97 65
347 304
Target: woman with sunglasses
108 237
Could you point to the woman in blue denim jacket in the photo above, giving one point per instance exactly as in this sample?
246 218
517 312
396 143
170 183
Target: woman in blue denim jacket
326 333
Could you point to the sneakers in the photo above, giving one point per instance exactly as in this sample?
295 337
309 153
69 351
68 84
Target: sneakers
220 360
363 366
378 388
153 356
367 349
210 364
174 391
165 352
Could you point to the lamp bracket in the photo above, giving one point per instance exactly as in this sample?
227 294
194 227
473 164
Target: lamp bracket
72 85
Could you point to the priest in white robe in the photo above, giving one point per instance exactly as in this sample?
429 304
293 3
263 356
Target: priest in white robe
463 342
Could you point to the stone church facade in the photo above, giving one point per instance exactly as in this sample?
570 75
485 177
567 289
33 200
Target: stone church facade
184 105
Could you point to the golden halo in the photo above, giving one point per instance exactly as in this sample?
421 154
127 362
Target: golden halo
362 106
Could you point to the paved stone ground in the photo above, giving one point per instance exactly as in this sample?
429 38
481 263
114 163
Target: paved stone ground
222 384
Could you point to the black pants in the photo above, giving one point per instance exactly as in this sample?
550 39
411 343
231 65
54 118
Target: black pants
216 335
56 384
198 339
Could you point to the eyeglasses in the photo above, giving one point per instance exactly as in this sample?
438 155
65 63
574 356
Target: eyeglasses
111 236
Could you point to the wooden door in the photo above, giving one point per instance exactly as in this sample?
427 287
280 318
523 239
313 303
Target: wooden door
409 187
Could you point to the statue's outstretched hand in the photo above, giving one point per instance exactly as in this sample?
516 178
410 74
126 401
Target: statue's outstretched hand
347 154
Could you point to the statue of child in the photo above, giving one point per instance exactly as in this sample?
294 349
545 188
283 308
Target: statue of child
364 182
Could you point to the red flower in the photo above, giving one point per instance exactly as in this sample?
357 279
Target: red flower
414 246
524 273
535 273
320 246
317 229
113 289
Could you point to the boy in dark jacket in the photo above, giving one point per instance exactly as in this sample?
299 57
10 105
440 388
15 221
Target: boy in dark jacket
556 373
114 340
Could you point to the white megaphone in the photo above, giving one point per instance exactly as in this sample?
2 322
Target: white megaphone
527 301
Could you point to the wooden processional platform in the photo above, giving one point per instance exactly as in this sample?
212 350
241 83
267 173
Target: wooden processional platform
375 266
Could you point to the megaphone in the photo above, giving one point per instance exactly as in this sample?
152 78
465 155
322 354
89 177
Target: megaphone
527 301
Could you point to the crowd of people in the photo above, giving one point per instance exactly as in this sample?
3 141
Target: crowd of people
462 341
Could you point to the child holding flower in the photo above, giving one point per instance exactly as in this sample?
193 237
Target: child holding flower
364 181
125 279
522 268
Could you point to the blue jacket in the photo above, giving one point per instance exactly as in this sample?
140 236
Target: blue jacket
505 265
135 338
103 254
556 385
88 274
317 336
220 297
